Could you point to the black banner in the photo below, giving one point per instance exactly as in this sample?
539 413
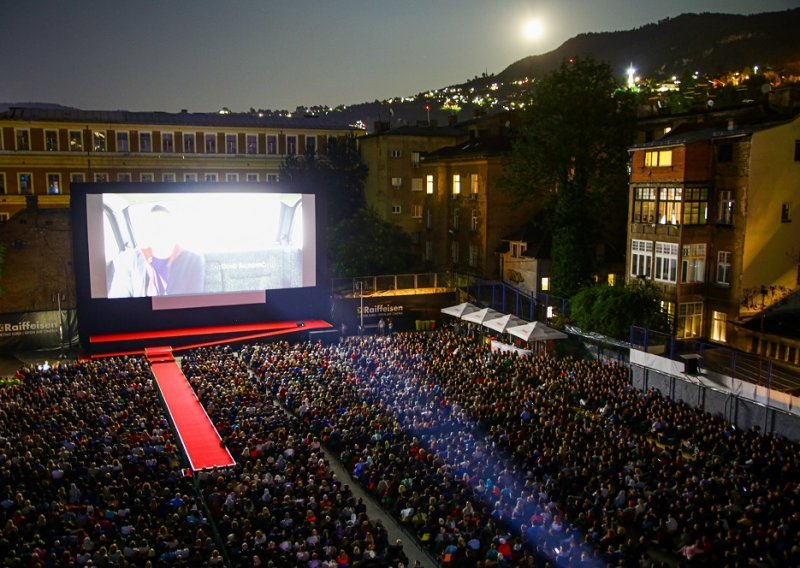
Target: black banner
403 311
38 331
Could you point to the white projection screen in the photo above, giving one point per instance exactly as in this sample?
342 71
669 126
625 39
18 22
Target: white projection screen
193 249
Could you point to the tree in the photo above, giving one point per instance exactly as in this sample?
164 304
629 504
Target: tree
365 244
339 173
612 310
571 155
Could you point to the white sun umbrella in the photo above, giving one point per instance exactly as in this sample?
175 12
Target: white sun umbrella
481 315
460 309
502 323
535 331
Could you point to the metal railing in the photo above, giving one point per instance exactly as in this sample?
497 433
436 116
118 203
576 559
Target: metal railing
421 283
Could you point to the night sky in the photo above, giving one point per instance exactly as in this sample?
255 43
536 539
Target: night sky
202 55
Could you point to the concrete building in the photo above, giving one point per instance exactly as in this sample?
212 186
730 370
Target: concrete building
714 215
44 151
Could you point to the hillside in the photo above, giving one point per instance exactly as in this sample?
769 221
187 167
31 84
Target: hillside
709 43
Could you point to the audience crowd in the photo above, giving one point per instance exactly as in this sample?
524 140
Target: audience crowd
493 459
488 459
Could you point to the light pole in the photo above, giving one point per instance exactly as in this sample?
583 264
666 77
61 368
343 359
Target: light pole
361 311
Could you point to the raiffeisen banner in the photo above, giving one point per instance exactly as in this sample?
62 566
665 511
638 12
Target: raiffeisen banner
36 331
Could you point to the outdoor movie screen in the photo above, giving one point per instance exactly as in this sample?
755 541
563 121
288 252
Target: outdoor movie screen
197 243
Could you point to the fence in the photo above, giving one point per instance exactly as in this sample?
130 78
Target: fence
419 283
510 300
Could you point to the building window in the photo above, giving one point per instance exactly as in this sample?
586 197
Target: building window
53 184
396 153
641 258
415 159
429 184
396 209
51 140
252 144
272 145
473 220
397 182
252 177
169 178
668 308
718 321
473 255
311 144
416 184
724 267
725 153
644 205
190 177
231 177
416 212
126 177
189 142
669 205
76 178
122 142
693 263
146 178
211 143
75 141
473 185
544 284
99 141
456 184
455 219
658 159
2 183
666 264
695 206
145 142
23 140
272 178
211 177
690 320
454 252
428 218
797 150
725 215
167 142
291 145
428 250
786 212
26 184
612 279
230 143
101 178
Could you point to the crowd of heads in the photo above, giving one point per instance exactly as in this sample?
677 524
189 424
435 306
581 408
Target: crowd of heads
493 459
487 458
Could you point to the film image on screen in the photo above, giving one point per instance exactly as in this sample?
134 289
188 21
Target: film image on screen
178 244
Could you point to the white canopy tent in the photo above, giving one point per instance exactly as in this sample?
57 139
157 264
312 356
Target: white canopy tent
502 323
536 331
481 316
460 309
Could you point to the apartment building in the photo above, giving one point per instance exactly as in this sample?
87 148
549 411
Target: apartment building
714 215
43 150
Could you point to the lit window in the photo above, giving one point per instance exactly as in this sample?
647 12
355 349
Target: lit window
725 213
51 140
545 285
644 205
415 158
695 206
75 141
669 205
53 184
416 184
429 184
99 141
189 142
397 182
551 312
658 159
690 320
693 263
456 184
122 142
473 184
612 279
641 258
724 267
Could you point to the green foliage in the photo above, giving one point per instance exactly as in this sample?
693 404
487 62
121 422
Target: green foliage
365 244
338 172
612 310
571 156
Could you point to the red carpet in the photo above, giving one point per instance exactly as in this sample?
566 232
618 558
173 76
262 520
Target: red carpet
255 328
197 434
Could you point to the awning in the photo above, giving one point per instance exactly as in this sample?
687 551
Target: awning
460 310
536 331
482 315
502 324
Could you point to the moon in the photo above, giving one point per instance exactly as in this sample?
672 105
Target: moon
534 28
